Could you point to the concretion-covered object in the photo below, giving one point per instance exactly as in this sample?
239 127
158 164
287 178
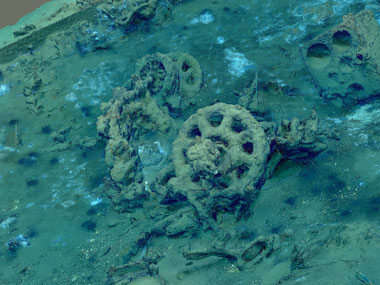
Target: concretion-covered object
62 18
345 61
128 116
176 79
300 140
124 13
161 84
246 257
135 272
220 158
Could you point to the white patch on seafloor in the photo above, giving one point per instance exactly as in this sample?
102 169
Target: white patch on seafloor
336 120
364 115
238 64
94 84
220 40
5 149
29 205
97 201
205 18
68 204
359 121
264 39
7 222
70 184
4 89
71 97
302 27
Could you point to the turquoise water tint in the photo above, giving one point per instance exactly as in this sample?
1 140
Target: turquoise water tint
154 142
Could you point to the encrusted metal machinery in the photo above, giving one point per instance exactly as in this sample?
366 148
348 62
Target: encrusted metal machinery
345 60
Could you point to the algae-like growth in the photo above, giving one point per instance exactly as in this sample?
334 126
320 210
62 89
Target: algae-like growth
191 142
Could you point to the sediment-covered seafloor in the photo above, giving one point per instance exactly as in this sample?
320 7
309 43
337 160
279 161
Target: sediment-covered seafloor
190 142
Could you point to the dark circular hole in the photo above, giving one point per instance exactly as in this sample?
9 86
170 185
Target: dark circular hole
46 130
318 50
342 38
53 161
32 182
33 155
238 126
86 111
13 122
31 233
89 225
215 119
248 147
290 201
185 66
195 132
